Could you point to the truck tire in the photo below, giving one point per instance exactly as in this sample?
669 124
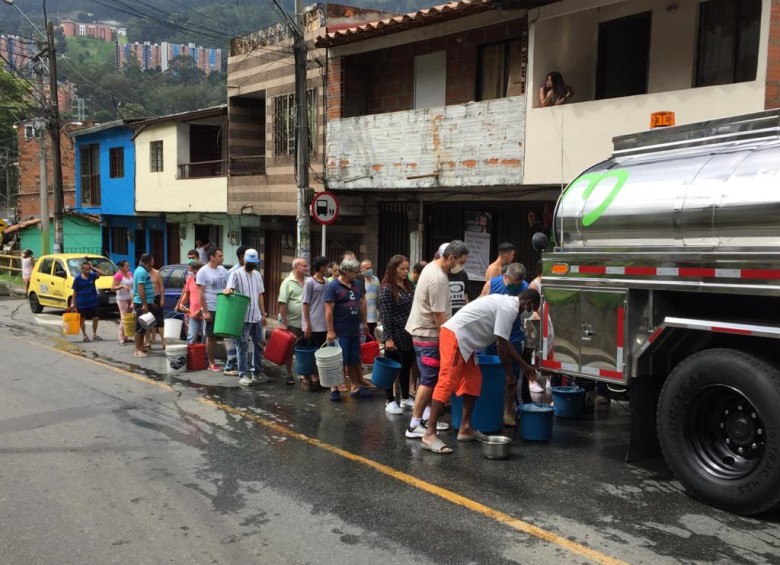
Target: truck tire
719 428
35 304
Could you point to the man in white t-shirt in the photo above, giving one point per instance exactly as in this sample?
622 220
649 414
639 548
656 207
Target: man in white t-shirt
475 326
430 309
211 280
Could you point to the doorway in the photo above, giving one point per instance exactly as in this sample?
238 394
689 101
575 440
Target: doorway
157 244
174 256
272 271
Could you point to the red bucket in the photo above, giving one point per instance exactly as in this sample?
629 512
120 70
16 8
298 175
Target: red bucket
196 357
369 350
280 345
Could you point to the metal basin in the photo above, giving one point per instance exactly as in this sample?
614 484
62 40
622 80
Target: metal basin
496 447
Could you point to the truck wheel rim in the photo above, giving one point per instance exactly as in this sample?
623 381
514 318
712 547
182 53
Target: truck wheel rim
725 432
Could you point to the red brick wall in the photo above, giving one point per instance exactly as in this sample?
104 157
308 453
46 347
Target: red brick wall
334 92
29 201
388 74
772 90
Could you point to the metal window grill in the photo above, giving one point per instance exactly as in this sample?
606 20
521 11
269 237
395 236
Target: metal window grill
285 123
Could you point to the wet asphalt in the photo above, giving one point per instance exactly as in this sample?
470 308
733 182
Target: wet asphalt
104 467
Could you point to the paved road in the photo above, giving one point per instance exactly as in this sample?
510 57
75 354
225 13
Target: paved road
105 461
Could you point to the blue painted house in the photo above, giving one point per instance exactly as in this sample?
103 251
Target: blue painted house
105 187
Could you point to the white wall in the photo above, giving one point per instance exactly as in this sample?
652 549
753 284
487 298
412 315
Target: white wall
474 144
565 140
163 192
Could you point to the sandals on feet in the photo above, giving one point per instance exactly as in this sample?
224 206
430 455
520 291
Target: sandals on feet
438 446
97 338
86 339
476 436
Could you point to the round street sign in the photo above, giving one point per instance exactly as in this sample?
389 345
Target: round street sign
325 208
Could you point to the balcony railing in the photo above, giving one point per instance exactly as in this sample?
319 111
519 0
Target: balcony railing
203 169
247 166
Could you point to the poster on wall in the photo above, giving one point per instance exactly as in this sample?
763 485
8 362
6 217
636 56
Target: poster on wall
477 238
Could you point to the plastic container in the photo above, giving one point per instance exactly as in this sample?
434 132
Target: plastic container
176 358
385 372
329 364
305 364
196 357
147 321
128 320
70 323
231 313
536 421
488 413
369 350
280 346
568 401
172 328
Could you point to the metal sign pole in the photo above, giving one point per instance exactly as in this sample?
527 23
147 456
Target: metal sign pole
323 240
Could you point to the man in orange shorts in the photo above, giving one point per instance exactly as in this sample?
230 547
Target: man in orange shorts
476 325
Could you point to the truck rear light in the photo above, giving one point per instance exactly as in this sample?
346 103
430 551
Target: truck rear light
560 269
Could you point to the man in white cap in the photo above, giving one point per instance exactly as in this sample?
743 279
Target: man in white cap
249 282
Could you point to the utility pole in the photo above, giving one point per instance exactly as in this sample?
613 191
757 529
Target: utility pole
302 136
54 128
44 196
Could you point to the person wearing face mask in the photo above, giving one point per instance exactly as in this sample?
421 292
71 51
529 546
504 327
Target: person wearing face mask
512 283
371 286
249 282
477 325
459 285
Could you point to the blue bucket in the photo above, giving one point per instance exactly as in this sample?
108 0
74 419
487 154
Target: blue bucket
385 371
536 421
488 413
305 364
568 401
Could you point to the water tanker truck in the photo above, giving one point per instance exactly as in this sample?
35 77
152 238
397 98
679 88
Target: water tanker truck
664 278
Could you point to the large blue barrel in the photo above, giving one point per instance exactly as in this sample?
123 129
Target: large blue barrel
488 414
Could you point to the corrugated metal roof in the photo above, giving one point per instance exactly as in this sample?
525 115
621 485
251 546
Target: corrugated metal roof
443 12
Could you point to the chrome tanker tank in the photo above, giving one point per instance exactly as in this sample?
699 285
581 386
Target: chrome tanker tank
720 191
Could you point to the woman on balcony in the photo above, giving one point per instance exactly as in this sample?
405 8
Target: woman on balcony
555 90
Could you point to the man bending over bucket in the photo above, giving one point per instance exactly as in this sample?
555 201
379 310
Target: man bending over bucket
475 326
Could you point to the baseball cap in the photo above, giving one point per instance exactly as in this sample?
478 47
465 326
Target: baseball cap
251 256
440 252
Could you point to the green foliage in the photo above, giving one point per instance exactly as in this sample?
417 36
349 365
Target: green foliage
14 102
89 50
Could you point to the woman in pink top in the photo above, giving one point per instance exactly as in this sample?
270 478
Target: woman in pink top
189 303
123 286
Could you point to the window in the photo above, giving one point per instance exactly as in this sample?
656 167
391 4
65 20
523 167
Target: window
501 70
90 175
623 56
284 123
176 279
119 240
116 158
727 45
156 157
46 266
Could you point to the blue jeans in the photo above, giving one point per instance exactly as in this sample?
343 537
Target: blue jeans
253 331
195 331
230 350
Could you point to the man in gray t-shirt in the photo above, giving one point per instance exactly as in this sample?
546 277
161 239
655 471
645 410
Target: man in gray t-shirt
211 280
314 324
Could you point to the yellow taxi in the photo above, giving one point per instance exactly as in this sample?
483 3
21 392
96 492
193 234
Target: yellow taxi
51 282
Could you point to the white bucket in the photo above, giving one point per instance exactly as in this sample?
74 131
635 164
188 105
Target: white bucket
172 329
147 320
329 364
176 358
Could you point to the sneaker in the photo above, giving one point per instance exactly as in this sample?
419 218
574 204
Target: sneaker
335 396
415 433
246 380
215 368
407 403
440 425
257 378
230 373
533 386
393 408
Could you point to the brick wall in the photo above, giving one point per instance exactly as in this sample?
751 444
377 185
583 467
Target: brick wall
383 81
29 202
772 90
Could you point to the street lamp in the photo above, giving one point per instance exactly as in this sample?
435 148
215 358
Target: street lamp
54 124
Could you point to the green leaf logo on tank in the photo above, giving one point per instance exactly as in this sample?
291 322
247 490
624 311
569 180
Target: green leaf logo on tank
594 180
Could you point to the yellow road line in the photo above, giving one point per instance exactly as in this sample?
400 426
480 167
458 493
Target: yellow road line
102 364
447 495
